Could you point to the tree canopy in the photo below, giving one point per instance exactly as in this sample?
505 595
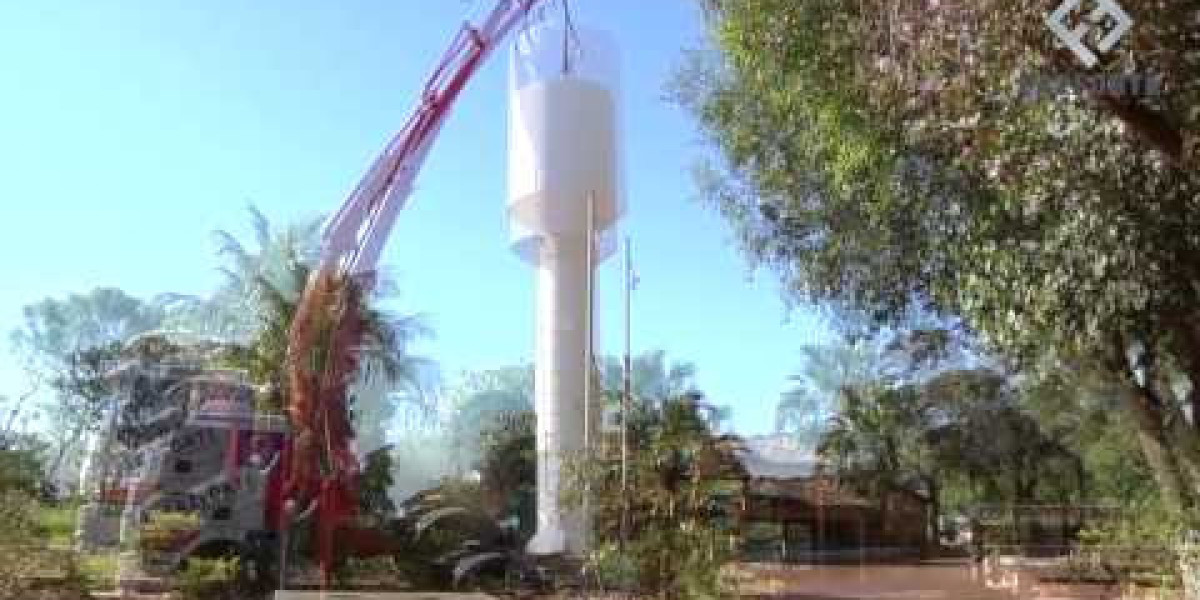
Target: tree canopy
879 154
69 344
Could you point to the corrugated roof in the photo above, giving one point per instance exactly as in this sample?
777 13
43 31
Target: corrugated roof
777 457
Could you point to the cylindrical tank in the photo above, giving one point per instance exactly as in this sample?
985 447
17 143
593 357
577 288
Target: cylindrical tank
563 137
563 157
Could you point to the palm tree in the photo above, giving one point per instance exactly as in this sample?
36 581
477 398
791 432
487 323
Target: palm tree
805 410
321 347
259 301
867 434
913 355
877 441
653 378
670 521
485 396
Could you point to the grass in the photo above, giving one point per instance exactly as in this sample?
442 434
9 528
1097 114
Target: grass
57 523
99 570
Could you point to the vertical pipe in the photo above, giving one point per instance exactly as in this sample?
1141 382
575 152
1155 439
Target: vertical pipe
626 395
588 348
820 521
588 359
566 50
862 538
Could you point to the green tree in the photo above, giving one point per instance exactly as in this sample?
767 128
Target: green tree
508 469
678 535
883 153
374 496
259 299
652 375
903 412
233 311
827 369
20 470
324 387
1089 416
484 397
69 344
983 433
876 441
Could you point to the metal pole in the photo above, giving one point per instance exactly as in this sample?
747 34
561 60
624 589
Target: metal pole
589 325
289 507
588 360
627 394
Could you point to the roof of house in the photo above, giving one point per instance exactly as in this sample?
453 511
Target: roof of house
783 466
777 457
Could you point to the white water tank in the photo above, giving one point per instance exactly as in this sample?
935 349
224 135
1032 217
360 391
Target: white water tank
563 156
563 137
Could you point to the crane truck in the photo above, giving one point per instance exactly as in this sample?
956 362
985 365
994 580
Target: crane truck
250 477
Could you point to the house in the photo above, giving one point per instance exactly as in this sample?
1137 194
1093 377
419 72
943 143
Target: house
792 510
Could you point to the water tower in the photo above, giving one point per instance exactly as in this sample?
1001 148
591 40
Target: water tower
564 191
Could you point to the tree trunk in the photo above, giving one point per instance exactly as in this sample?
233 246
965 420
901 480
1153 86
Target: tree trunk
1186 446
70 442
1152 417
935 511
1151 126
1156 447
1186 413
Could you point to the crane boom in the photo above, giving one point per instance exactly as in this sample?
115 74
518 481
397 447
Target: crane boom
359 229
327 327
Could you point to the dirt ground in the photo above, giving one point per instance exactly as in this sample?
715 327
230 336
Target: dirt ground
948 580
941 580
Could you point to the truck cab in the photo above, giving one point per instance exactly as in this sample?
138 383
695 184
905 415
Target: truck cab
186 467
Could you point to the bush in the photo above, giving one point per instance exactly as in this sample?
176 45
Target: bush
609 568
508 469
677 535
373 498
18 521
56 524
99 570
28 569
210 579
21 471
163 530
454 541
1142 544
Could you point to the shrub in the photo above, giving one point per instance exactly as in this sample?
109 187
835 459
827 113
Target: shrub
163 530
508 469
452 541
18 521
608 567
1141 544
21 471
57 523
210 579
677 537
28 569
373 498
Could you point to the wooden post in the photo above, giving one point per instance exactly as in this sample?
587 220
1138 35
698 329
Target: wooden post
820 497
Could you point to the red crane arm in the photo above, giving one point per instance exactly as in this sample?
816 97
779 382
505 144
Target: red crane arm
355 236
323 467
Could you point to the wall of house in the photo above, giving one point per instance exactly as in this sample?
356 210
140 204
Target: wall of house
807 520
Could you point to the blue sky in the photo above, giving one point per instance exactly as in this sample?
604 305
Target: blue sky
129 131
